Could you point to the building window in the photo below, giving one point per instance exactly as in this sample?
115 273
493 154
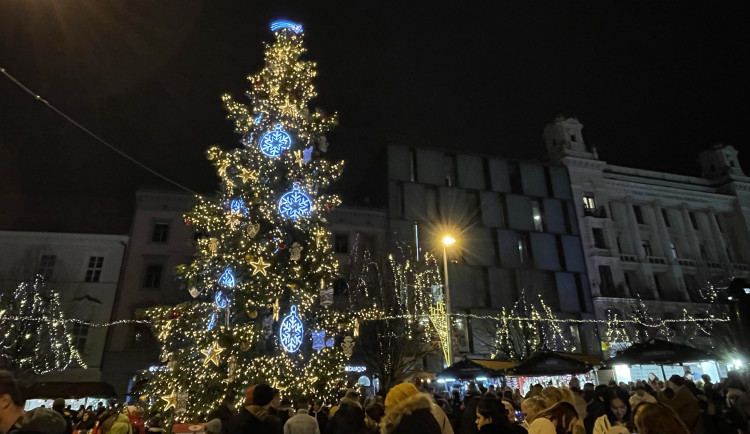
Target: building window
694 221
536 212
514 174
412 165
152 276
449 169
607 283
523 250
340 287
46 266
94 270
646 248
160 232
638 214
589 203
665 216
673 248
78 334
599 240
341 243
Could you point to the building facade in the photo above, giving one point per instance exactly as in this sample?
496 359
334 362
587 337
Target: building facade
84 269
662 238
516 231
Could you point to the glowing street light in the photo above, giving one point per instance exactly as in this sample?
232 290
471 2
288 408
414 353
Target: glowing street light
447 241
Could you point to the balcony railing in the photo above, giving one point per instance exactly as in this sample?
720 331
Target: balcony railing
628 258
686 262
656 260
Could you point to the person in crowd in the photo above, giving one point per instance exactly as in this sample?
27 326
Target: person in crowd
551 396
284 409
86 423
318 412
100 408
491 417
407 412
79 414
254 416
535 390
301 422
468 416
681 400
508 397
640 395
595 408
617 413
653 382
11 402
373 414
58 405
402 391
531 407
588 392
42 421
224 412
156 426
517 398
348 418
121 424
575 385
738 409
213 426
561 418
656 418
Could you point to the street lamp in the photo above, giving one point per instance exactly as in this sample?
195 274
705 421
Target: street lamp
447 241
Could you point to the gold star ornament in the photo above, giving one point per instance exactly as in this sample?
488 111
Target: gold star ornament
171 400
212 354
248 175
298 158
287 108
259 266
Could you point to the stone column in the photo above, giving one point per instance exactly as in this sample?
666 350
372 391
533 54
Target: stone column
717 239
690 232
663 234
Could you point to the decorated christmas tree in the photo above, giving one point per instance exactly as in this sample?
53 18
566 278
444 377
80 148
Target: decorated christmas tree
34 337
262 277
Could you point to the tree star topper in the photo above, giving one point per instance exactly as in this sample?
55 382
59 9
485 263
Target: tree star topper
291 331
212 354
260 266
283 24
295 204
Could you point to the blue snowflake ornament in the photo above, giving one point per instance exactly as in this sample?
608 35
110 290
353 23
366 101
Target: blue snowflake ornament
275 141
319 339
238 206
291 330
295 204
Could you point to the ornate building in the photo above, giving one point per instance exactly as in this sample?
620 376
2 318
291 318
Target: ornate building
673 241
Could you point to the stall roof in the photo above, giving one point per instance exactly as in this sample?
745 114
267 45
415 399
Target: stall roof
659 352
497 365
549 363
468 369
70 390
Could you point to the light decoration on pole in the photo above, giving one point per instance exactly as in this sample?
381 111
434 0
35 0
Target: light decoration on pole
291 331
274 142
295 204
438 318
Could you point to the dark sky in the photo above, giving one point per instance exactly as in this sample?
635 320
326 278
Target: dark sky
653 82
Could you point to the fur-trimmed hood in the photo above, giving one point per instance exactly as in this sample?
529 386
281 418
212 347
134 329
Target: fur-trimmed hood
420 403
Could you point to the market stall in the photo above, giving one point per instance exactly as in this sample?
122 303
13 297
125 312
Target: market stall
460 374
552 368
74 393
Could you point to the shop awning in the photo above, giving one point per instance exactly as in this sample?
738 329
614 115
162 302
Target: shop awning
70 390
468 369
497 365
659 352
549 363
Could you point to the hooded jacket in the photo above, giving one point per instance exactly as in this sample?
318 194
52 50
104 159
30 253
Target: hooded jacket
252 419
412 415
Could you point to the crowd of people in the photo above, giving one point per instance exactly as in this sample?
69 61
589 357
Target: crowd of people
677 406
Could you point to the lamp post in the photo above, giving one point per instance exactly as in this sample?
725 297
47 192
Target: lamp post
447 241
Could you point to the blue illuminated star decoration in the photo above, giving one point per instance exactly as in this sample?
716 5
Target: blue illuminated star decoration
238 206
291 330
227 278
295 204
283 24
273 142
221 300
307 155
319 340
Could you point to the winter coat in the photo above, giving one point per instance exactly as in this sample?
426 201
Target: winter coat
604 426
410 416
349 419
442 419
252 420
542 425
469 417
502 428
686 405
121 425
301 423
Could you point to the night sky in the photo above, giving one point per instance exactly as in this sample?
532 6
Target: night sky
652 82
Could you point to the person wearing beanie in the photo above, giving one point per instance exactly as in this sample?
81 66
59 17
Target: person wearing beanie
349 418
408 411
213 426
42 421
406 390
227 410
11 402
255 416
301 422
59 406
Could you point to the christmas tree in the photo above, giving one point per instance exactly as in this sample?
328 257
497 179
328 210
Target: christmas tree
34 337
263 273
